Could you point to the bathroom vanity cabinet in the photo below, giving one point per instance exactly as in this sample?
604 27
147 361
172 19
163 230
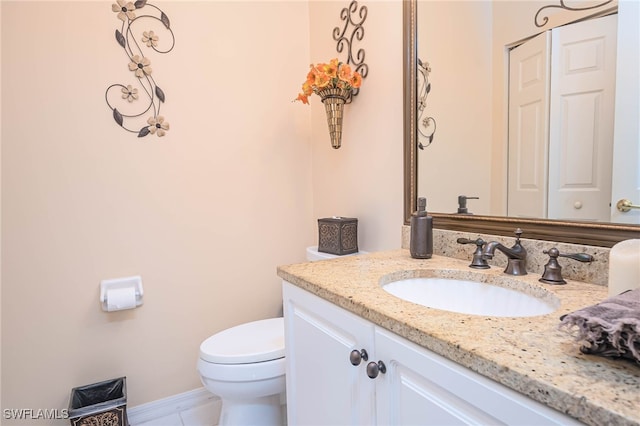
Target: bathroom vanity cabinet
418 386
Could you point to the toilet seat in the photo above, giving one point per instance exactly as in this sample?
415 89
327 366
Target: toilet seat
253 342
238 373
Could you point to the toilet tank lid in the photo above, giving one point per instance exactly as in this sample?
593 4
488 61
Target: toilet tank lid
256 341
313 254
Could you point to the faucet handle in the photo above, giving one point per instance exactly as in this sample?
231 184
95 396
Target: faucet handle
478 241
518 232
580 257
478 261
553 271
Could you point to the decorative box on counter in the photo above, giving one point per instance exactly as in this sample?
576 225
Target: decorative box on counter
338 235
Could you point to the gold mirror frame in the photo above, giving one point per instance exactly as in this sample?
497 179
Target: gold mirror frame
595 234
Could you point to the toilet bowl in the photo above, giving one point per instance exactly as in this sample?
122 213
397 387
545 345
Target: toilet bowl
245 367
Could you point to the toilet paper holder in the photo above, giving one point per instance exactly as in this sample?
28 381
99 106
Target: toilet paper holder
107 286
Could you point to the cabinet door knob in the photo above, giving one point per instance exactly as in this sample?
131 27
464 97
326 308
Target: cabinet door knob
373 369
357 356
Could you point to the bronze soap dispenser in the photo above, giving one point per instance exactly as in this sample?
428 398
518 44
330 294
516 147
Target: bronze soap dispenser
421 242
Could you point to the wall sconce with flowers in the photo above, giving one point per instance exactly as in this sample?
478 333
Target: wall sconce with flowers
334 82
128 95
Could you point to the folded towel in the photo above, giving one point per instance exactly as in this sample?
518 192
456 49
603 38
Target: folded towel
610 328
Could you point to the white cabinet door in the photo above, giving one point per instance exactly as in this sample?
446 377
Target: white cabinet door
323 387
423 388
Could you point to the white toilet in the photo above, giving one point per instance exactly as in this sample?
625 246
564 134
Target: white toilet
245 366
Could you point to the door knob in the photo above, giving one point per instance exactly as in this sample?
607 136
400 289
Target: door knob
374 368
357 356
625 205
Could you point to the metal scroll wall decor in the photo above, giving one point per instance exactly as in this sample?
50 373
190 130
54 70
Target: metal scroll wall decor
353 20
135 34
541 21
426 124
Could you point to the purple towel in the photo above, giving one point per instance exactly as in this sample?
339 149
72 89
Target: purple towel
610 328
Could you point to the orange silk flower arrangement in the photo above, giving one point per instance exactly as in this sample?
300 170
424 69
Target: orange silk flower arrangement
334 75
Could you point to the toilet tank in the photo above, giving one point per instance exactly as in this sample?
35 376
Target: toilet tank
313 254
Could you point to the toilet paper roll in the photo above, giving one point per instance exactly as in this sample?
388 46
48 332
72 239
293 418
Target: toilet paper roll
121 298
624 266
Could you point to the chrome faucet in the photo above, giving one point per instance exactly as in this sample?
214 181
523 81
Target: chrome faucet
516 255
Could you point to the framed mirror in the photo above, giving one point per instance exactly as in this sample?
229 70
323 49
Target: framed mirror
572 231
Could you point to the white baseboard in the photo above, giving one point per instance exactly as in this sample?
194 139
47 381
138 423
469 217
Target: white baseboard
172 405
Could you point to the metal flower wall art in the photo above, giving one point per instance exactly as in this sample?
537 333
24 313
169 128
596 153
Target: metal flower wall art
541 21
426 123
348 39
144 29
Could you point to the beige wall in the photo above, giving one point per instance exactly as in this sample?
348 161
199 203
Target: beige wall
455 38
363 178
204 214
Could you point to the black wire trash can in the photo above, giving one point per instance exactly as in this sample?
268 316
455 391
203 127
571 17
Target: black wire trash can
99 404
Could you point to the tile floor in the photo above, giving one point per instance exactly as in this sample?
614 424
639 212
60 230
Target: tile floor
202 415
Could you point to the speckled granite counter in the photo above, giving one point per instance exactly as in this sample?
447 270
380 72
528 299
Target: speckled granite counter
529 355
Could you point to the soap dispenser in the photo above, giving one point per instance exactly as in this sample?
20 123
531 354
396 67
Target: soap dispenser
462 204
421 243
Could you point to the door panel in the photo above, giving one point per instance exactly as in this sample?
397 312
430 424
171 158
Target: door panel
528 128
423 388
582 106
324 335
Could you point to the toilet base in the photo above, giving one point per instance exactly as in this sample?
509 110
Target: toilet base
265 411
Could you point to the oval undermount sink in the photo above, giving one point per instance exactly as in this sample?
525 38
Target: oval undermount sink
470 297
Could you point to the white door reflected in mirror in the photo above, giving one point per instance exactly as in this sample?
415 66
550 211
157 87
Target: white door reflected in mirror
561 118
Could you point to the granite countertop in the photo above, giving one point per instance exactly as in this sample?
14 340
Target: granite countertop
529 354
